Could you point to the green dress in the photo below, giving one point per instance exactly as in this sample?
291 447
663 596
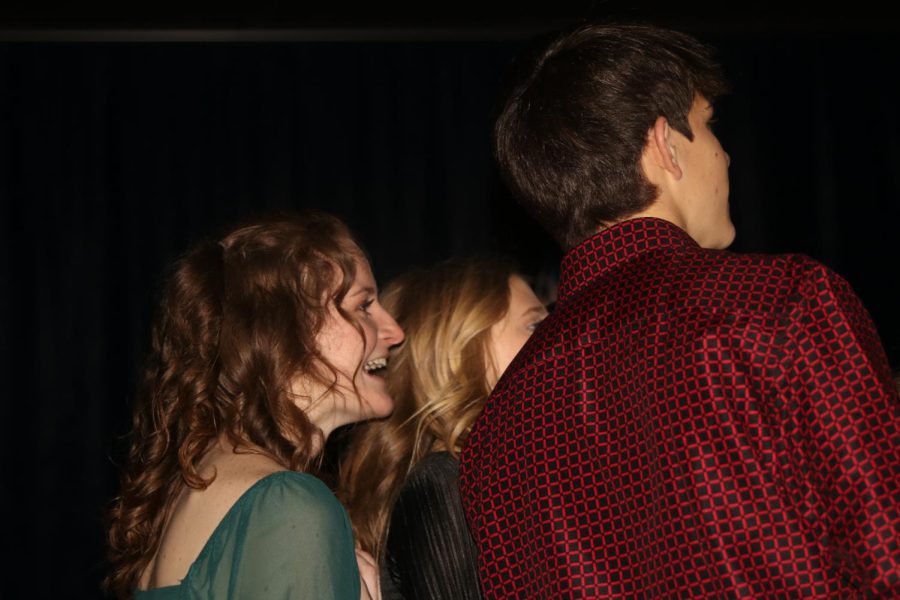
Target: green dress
286 537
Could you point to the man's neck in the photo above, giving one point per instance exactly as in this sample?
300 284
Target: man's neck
657 210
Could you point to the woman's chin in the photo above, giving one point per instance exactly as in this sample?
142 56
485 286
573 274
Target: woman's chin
377 406
375 401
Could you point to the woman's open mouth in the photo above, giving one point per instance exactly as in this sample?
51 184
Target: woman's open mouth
376 366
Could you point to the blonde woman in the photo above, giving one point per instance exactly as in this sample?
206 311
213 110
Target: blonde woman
464 324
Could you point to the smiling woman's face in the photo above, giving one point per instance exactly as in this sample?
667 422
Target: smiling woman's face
510 333
360 392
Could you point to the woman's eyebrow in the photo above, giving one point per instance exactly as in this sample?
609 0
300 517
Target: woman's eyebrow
537 309
363 290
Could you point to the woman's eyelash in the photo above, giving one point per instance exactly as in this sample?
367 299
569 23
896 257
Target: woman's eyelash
365 306
534 325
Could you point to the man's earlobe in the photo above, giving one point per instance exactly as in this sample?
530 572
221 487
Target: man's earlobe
666 151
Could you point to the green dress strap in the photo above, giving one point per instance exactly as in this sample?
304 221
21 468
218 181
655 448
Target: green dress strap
286 537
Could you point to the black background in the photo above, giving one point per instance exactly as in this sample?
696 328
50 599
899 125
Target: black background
129 131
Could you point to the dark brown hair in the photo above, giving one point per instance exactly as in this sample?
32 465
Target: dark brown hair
437 379
237 322
571 131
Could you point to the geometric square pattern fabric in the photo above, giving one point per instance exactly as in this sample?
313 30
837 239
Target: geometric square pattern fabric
690 423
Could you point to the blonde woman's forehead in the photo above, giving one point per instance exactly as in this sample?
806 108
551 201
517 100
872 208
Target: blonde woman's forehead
521 297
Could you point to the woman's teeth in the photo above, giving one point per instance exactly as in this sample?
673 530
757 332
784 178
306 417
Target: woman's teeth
375 364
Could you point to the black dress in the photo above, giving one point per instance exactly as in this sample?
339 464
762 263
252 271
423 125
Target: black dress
429 553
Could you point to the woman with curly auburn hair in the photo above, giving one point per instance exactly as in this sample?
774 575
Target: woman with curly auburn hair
265 342
464 323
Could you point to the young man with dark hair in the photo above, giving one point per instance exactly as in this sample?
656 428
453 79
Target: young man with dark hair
688 422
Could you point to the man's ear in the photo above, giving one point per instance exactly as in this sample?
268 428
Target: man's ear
665 152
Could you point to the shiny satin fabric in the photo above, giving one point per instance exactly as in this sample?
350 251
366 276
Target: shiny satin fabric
690 423
429 553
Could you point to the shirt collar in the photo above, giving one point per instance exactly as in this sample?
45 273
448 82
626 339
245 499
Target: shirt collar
614 246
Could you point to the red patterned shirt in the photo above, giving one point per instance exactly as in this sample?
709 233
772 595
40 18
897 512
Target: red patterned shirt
690 423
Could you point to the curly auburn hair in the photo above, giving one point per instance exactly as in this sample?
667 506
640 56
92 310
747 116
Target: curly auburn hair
237 322
437 379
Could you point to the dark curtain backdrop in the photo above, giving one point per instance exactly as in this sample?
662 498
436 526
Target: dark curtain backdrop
114 157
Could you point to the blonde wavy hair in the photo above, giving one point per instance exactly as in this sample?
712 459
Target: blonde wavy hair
437 379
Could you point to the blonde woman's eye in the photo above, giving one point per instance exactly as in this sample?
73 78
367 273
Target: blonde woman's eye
534 324
365 306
